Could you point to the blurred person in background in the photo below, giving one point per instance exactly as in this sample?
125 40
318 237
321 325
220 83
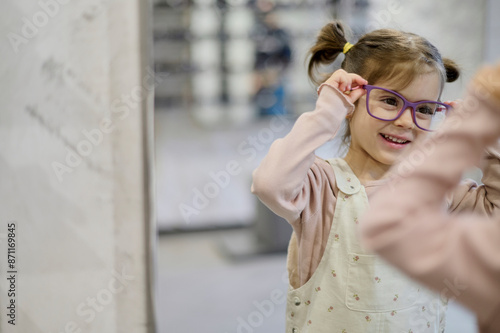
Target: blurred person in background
456 255
388 91
272 58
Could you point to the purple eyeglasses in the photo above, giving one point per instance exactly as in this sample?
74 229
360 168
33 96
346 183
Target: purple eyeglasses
388 105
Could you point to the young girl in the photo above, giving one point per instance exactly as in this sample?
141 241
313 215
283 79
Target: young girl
464 249
335 285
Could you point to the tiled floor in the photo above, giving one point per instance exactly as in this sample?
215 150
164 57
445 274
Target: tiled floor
202 289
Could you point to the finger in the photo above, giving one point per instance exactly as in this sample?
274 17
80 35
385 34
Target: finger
343 86
357 80
336 78
356 94
347 84
348 81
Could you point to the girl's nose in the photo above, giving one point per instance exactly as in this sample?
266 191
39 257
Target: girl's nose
405 120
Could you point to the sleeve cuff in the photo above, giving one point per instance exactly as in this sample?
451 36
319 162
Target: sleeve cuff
350 107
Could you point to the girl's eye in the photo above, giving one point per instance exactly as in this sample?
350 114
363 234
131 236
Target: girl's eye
390 101
425 110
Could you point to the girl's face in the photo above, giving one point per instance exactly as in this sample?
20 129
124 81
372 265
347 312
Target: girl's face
371 138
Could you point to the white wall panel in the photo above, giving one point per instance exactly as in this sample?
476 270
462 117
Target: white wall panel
74 166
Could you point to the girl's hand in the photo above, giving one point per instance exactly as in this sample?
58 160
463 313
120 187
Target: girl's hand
348 83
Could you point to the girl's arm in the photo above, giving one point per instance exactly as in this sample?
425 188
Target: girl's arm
407 224
290 172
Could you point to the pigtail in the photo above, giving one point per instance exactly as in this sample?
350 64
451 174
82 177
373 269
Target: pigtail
329 44
452 70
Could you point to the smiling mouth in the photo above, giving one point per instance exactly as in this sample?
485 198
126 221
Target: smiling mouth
394 140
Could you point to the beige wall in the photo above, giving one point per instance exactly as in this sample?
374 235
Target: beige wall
75 165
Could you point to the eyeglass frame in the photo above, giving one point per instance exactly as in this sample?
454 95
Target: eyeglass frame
407 103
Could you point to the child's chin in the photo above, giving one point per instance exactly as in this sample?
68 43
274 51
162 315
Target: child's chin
395 157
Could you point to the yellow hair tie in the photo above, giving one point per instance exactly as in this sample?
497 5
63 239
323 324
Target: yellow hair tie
347 47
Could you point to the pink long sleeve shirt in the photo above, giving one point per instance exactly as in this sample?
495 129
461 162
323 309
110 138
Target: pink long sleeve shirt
299 186
457 255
